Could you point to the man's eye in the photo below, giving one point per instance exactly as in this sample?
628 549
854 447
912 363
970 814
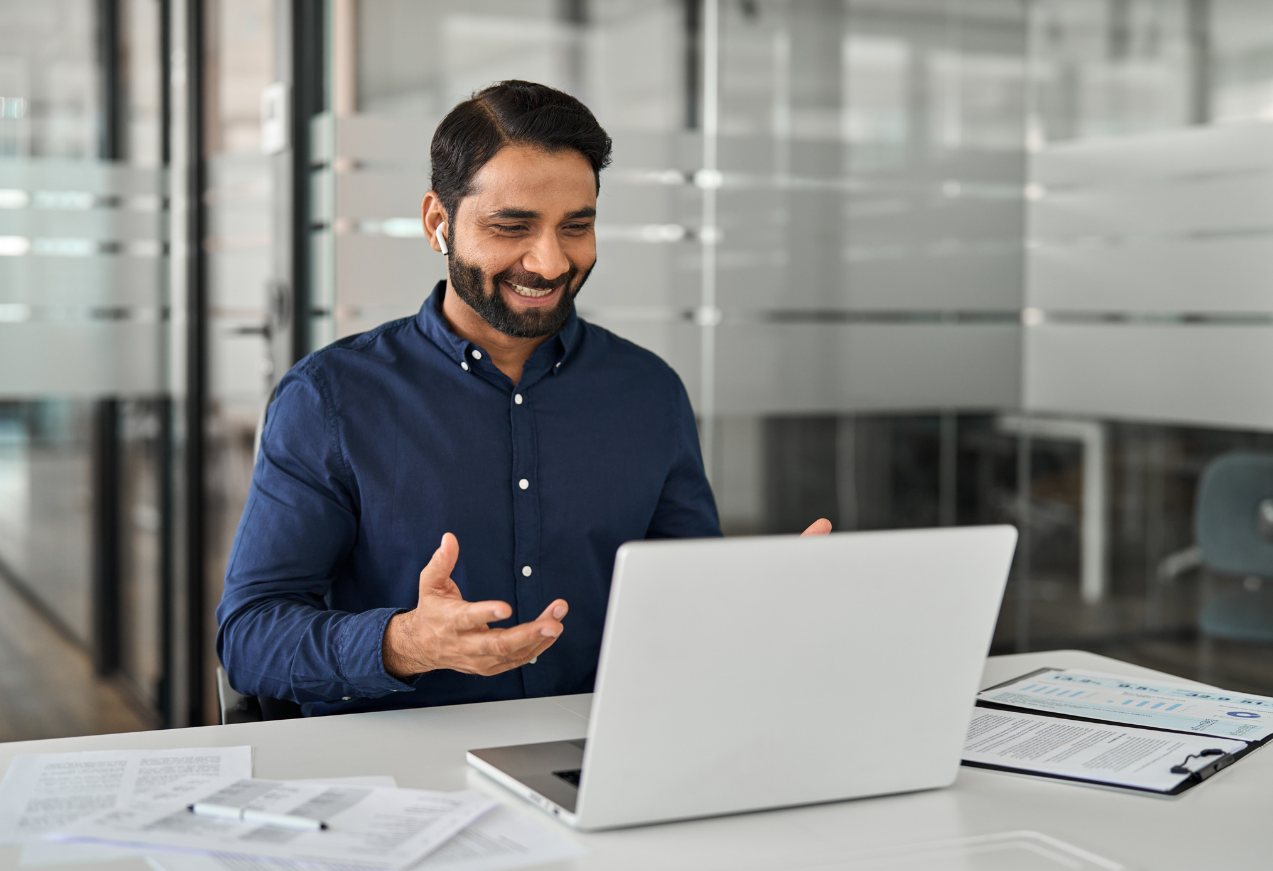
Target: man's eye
510 228
578 228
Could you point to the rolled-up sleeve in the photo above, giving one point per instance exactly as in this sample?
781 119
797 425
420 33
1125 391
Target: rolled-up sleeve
276 636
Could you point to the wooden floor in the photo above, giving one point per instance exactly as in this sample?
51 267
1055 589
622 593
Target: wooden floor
47 686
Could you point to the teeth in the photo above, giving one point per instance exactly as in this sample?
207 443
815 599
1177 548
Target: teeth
530 291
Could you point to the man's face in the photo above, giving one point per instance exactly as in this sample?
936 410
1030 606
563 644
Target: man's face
523 244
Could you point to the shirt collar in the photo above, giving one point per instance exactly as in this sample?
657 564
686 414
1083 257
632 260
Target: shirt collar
432 323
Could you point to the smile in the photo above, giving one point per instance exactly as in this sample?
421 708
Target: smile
529 291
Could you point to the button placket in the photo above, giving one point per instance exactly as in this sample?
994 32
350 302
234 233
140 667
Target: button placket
526 524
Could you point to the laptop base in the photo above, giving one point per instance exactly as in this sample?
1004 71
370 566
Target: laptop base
535 772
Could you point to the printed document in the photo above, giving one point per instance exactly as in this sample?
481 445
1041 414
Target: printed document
62 852
1140 703
501 839
365 826
45 791
1097 752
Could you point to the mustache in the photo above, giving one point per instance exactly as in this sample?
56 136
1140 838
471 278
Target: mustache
534 281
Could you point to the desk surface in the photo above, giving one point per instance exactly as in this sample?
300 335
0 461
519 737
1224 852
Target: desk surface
1223 822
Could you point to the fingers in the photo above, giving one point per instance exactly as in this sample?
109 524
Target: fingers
475 615
435 578
499 650
555 611
821 526
511 643
540 648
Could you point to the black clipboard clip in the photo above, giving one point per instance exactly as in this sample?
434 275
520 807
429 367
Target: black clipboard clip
1205 771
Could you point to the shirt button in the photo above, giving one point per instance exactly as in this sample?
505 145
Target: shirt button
526 571
517 397
464 366
477 355
523 483
558 366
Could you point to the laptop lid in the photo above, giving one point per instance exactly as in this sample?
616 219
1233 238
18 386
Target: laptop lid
747 673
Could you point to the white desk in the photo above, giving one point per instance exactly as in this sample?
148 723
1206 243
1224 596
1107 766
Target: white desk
1225 822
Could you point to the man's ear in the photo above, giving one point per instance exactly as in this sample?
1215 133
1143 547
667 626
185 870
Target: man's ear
436 223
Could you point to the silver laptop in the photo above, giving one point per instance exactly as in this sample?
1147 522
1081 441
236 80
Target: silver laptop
748 673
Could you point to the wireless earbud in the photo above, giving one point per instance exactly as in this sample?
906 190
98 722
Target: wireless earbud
437 234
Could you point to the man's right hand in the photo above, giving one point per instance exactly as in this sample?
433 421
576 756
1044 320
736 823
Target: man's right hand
444 631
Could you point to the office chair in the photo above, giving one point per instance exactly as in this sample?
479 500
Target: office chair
238 708
1233 527
235 707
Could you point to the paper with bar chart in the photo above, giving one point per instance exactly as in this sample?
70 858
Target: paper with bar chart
1114 699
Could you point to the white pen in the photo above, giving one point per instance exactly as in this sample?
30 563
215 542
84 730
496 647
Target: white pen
264 818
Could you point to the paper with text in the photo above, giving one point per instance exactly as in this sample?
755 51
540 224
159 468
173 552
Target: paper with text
377 828
45 791
501 839
1140 703
61 852
1117 755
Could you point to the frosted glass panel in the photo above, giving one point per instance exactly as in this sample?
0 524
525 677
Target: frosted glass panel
1163 225
79 359
1221 276
853 160
814 368
1212 375
81 278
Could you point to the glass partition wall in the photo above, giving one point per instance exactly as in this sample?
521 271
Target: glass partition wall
918 263
138 276
83 408
1147 322
816 214
241 202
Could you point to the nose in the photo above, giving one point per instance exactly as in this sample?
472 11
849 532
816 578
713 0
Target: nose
546 257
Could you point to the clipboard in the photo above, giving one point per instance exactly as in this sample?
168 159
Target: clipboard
1196 776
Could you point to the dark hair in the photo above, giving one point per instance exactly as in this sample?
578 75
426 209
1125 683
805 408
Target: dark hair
510 113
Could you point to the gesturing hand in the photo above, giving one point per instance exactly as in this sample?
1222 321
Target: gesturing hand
444 631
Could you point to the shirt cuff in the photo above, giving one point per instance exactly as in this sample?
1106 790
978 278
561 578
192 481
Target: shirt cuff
360 654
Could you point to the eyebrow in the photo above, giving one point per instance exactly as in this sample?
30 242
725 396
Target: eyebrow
513 214
530 214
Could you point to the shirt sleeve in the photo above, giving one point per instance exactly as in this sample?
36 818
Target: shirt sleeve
686 507
275 636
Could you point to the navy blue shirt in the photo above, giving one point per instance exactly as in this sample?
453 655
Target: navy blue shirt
379 443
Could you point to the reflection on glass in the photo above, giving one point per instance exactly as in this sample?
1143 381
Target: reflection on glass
82 259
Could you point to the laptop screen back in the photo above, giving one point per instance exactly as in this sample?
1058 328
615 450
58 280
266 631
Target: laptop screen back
748 673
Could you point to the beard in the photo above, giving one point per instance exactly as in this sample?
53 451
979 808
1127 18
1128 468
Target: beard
470 284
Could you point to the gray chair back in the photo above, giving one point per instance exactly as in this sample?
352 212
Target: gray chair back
1233 522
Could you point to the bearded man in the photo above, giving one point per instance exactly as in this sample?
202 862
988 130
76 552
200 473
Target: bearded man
495 417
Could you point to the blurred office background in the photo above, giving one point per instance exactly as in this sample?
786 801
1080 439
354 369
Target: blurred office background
919 262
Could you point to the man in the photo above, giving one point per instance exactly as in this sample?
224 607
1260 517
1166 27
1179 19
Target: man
494 417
